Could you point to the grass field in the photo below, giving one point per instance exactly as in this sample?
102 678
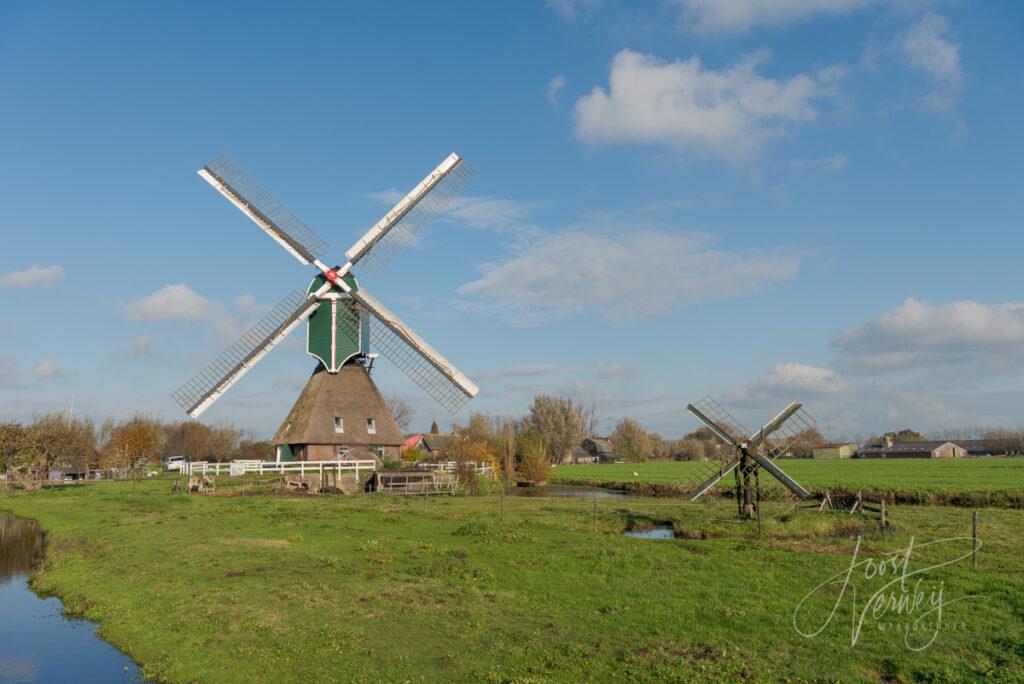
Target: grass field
984 481
374 588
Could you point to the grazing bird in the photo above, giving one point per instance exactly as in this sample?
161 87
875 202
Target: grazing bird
636 474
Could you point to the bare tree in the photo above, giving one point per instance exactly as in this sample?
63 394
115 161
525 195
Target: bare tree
401 410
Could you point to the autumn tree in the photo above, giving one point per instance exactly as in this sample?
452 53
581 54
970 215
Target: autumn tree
905 435
532 461
560 421
12 438
135 439
691 449
55 439
630 441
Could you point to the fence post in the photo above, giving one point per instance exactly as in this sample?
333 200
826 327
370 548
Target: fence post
884 523
974 537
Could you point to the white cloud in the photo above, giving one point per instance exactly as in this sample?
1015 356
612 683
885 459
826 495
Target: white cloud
176 302
791 382
143 346
47 369
555 87
728 112
833 163
630 275
484 212
978 338
925 46
739 16
572 10
493 213
32 276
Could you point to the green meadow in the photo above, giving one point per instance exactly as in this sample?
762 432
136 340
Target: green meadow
246 586
962 481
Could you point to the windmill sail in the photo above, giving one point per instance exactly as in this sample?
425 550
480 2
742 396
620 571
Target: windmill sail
196 395
401 226
231 180
763 446
410 352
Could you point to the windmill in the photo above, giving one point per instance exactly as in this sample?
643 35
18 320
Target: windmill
747 453
343 318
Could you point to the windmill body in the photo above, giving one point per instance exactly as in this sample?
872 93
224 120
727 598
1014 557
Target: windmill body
340 412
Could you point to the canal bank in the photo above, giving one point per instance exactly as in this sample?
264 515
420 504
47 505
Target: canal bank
38 643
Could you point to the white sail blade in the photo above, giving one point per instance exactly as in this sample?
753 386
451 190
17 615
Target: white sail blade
781 476
422 363
399 227
196 395
231 180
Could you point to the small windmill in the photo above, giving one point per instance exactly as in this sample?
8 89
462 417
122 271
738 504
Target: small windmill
748 453
344 319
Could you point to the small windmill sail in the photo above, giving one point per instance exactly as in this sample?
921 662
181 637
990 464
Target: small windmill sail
748 453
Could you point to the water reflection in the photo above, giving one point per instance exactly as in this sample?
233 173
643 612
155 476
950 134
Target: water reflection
569 491
37 643
21 546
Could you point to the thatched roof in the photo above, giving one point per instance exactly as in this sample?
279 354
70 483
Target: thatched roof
349 394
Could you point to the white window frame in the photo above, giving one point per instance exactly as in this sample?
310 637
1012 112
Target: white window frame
339 425
371 426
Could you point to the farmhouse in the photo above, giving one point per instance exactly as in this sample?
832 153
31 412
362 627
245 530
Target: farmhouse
922 449
339 415
841 450
591 450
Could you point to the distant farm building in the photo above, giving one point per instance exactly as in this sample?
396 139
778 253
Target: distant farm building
591 450
996 446
923 449
841 450
339 416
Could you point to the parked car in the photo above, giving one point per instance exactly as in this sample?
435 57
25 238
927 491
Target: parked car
174 462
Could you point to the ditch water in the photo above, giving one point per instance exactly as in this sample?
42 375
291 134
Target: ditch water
37 643
658 532
569 491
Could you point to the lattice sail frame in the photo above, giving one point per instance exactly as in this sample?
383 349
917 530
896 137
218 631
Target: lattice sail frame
259 200
777 443
378 336
290 311
410 224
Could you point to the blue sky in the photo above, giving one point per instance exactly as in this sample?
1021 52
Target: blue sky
764 201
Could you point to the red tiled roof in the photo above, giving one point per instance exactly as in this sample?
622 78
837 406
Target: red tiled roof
410 442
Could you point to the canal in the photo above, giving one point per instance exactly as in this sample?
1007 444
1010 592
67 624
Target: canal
37 642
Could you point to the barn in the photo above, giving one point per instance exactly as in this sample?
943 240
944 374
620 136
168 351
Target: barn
922 449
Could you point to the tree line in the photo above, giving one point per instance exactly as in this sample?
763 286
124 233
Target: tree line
55 440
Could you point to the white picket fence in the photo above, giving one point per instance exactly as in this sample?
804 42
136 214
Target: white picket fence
482 468
236 468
